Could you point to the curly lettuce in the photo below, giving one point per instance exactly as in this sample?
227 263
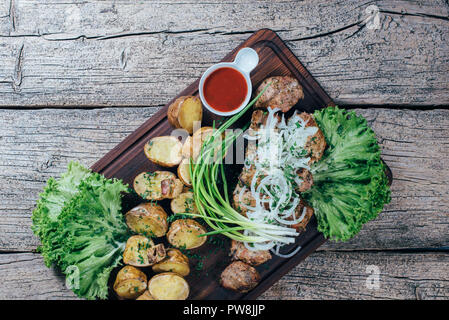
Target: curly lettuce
79 222
56 194
350 185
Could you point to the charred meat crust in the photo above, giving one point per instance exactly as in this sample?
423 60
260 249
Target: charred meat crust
259 118
316 144
239 276
253 258
301 226
247 199
283 93
307 180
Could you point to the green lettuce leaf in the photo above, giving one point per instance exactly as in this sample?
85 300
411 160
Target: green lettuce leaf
350 185
92 234
49 206
82 230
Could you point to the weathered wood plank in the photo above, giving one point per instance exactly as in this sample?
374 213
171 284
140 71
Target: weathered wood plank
323 275
37 144
25 277
142 53
415 145
333 275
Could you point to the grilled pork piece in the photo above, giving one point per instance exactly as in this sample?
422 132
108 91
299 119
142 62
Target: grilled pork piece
283 93
246 199
302 208
307 180
253 258
239 276
259 118
316 144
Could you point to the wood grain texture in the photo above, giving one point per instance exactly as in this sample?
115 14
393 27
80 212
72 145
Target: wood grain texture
25 277
125 54
323 275
415 145
37 144
81 54
338 275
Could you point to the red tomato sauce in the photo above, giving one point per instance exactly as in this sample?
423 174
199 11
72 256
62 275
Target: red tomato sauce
225 89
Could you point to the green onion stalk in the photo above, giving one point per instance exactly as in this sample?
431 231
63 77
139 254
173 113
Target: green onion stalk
214 205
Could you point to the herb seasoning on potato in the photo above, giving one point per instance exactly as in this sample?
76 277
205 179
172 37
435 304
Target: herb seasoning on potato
142 252
157 185
186 233
148 219
175 261
130 283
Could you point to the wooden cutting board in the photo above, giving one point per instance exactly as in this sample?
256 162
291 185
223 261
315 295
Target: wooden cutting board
127 160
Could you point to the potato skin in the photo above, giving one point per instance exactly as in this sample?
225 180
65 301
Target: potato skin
164 151
136 251
200 136
184 172
168 286
173 111
190 114
157 185
147 218
184 233
145 296
181 115
239 276
130 283
253 258
175 261
283 93
187 148
184 203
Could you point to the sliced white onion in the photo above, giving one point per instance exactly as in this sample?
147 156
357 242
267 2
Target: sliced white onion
288 255
280 146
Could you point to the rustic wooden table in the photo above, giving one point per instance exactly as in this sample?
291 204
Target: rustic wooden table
76 77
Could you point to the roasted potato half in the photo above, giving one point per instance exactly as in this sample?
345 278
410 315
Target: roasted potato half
142 252
168 286
199 137
145 296
164 151
184 203
173 110
157 185
186 233
187 147
174 262
130 283
184 172
185 112
147 218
